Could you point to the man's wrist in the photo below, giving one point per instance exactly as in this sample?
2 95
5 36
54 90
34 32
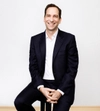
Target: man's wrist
40 86
62 93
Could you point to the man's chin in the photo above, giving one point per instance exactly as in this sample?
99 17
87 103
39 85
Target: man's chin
52 29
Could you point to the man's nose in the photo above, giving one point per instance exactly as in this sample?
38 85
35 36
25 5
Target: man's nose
51 19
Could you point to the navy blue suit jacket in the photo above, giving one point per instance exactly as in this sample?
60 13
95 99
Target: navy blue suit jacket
65 61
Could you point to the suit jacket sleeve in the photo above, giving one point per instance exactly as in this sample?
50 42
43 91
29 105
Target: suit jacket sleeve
33 66
71 69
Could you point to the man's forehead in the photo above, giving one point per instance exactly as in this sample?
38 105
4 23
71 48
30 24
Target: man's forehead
53 10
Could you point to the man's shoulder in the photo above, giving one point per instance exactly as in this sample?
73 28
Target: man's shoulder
66 35
61 32
37 36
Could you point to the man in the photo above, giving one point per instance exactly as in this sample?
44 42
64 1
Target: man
53 66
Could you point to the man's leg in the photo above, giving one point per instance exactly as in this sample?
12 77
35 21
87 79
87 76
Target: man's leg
62 105
24 100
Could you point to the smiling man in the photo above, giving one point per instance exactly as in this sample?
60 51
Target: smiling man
53 66
52 19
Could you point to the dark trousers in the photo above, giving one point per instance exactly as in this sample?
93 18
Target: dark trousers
29 95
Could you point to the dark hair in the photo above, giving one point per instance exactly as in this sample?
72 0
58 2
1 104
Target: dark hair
53 5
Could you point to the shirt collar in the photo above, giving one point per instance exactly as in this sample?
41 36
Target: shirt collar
54 35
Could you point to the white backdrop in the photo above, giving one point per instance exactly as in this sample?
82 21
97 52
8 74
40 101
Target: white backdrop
20 19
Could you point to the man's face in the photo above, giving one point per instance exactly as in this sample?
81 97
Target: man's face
52 19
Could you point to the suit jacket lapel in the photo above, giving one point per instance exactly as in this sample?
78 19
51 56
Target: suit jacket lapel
42 47
58 44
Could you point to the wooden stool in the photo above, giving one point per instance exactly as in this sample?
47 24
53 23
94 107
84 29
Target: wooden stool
45 104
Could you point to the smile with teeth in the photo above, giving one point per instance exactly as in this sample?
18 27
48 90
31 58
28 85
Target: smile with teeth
51 24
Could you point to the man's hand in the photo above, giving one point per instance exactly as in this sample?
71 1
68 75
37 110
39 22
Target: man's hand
55 95
52 95
47 92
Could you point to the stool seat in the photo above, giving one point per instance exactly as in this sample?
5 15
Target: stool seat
45 106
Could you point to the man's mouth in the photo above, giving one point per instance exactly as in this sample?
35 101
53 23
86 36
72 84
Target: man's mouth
51 24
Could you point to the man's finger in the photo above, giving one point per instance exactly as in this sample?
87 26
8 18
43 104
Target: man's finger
52 98
50 90
50 101
50 94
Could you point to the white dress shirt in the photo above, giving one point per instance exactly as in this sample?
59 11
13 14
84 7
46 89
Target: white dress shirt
48 74
50 42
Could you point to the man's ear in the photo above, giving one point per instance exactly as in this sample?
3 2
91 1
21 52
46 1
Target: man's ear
60 20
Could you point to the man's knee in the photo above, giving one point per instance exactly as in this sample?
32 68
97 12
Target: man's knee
18 102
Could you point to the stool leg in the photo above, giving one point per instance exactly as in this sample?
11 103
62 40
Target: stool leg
48 106
42 105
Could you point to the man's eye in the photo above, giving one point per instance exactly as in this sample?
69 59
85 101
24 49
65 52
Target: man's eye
56 16
48 15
